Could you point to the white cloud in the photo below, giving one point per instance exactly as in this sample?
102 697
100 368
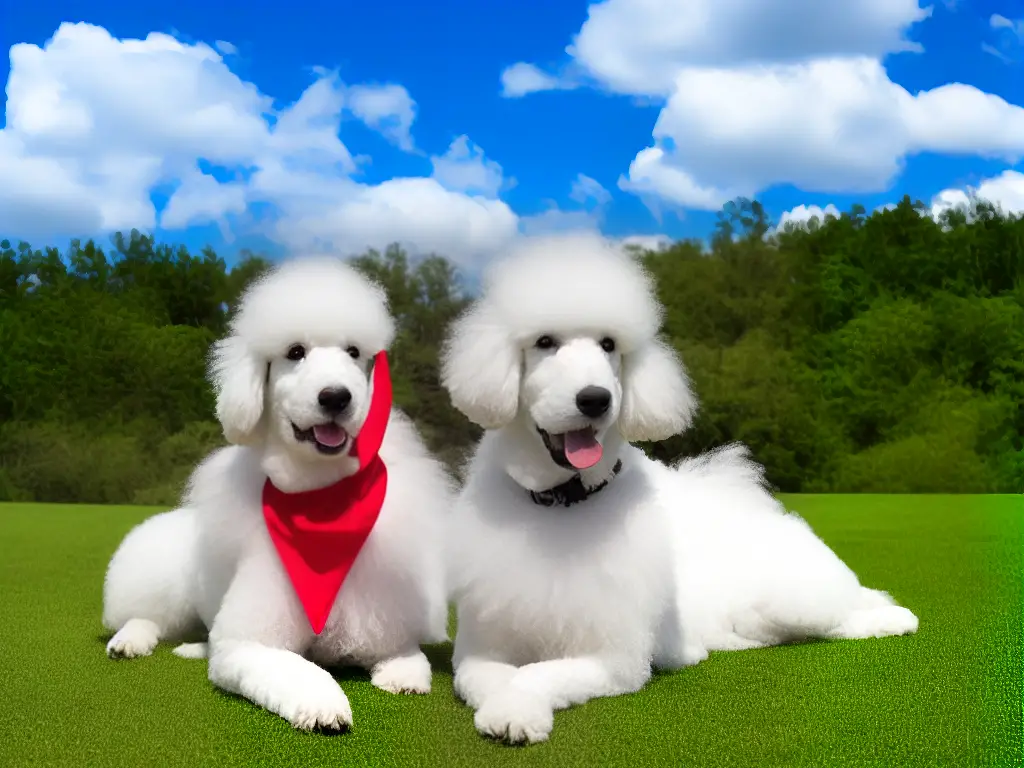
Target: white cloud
554 220
765 92
829 125
997 21
385 108
120 117
96 124
637 46
1005 191
947 199
465 168
992 50
1010 37
646 242
587 191
416 212
225 47
652 177
801 215
35 192
201 199
522 79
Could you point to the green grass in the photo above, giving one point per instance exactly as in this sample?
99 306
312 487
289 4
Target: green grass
950 695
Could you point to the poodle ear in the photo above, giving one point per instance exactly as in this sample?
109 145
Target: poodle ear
481 369
657 401
238 378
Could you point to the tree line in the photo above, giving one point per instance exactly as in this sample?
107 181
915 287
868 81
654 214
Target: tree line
866 353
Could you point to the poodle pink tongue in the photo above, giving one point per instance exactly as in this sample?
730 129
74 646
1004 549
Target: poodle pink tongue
330 435
582 449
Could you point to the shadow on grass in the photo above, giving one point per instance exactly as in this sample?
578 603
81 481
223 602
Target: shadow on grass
440 657
808 642
279 721
106 636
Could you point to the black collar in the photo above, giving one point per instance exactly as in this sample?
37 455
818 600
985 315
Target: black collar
571 492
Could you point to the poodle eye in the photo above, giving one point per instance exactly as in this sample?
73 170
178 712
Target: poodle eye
544 342
353 352
608 344
296 352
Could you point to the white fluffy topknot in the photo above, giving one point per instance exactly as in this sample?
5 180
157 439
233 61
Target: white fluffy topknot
315 300
573 282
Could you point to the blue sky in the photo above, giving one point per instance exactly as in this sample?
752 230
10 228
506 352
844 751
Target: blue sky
82 151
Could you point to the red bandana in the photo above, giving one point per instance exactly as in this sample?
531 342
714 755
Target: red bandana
318 534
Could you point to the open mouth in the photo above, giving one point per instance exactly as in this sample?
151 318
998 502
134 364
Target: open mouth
575 449
329 439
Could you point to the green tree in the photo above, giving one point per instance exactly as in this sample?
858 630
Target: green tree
880 352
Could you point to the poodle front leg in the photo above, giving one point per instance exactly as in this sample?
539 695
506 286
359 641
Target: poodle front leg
677 647
255 646
479 662
875 614
523 710
477 678
407 672
565 682
282 682
137 637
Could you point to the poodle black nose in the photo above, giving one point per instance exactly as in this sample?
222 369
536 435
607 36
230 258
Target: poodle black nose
593 401
334 400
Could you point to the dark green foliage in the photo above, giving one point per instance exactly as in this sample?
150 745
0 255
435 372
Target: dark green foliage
424 299
881 353
866 353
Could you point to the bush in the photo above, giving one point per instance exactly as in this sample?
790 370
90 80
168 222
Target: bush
917 464
118 463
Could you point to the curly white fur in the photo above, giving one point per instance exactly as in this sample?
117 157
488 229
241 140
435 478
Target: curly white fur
211 565
558 605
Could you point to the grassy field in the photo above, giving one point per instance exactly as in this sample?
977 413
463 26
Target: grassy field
950 695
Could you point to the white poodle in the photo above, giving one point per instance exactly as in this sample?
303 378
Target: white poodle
577 563
294 381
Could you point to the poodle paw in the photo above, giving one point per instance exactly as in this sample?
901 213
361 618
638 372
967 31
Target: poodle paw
311 701
680 658
877 622
693 655
515 717
403 674
191 651
138 637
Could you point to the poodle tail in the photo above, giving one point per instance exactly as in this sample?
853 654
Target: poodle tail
191 651
728 462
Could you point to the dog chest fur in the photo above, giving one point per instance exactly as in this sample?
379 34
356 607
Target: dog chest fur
545 582
382 602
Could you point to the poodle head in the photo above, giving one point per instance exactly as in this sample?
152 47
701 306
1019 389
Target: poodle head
565 333
295 368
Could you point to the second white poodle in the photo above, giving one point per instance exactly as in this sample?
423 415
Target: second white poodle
577 563
296 385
